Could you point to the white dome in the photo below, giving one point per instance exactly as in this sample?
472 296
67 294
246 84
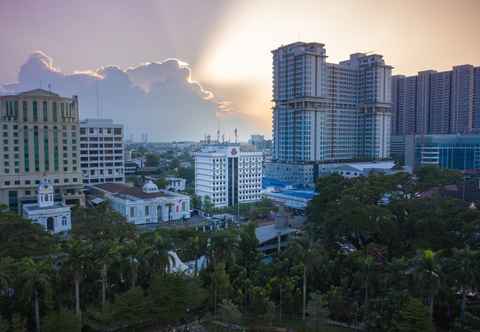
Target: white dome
150 187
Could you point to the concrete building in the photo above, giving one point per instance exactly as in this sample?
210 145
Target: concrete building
40 139
459 152
437 102
176 184
228 176
54 217
131 167
325 112
102 151
147 205
356 169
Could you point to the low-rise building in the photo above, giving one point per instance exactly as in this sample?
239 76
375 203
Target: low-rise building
176 184
131 167
286 195
146 205
355 169
459 152
54 217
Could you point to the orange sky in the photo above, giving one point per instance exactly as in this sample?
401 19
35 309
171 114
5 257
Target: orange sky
228 42
412 35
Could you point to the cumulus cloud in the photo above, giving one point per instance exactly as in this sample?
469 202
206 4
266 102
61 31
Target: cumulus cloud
158 98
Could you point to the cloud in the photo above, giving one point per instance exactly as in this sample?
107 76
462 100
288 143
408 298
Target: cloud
158 98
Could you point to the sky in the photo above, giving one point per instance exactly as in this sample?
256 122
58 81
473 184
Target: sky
179 69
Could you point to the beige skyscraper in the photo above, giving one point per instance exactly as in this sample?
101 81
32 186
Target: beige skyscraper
39 136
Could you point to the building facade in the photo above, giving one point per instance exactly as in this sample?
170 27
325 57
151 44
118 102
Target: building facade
228 176
54 217
147 205
102 151
328 112
459 152
176 184
437 102
40 139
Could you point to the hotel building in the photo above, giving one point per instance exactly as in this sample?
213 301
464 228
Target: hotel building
40 139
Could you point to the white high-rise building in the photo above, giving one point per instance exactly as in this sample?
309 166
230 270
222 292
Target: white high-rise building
326 112
102 151
227 176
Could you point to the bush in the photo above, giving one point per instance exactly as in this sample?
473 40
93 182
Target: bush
62 321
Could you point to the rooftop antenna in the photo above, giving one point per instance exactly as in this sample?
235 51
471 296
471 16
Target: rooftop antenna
98 99
236 135
218 135
223 138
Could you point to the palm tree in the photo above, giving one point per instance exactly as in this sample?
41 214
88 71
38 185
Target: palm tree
35 276
134 251
157 253
6 265
106 253
466 273
425 270
310 253
76 261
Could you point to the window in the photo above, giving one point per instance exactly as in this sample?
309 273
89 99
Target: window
45 111
147 211
54 111
35 111
25 110
132 212
64 221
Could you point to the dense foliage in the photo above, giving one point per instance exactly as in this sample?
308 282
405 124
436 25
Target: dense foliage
382 253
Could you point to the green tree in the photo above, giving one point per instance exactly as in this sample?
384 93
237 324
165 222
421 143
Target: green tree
35 276
229 312
62 320
76 262
317 308
19 324
161 183
207 204
4 325
131 307
152 160
425 270
413 317
21 238
310 254
170 297
466 273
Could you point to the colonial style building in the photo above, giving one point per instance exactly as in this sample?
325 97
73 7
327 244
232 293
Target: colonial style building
54 217
147 205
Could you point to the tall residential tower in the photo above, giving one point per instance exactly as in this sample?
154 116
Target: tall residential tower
437 102
325 112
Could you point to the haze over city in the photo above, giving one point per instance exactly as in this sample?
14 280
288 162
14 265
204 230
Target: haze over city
206 65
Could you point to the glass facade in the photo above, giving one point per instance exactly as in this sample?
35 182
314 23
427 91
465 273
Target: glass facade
460 152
